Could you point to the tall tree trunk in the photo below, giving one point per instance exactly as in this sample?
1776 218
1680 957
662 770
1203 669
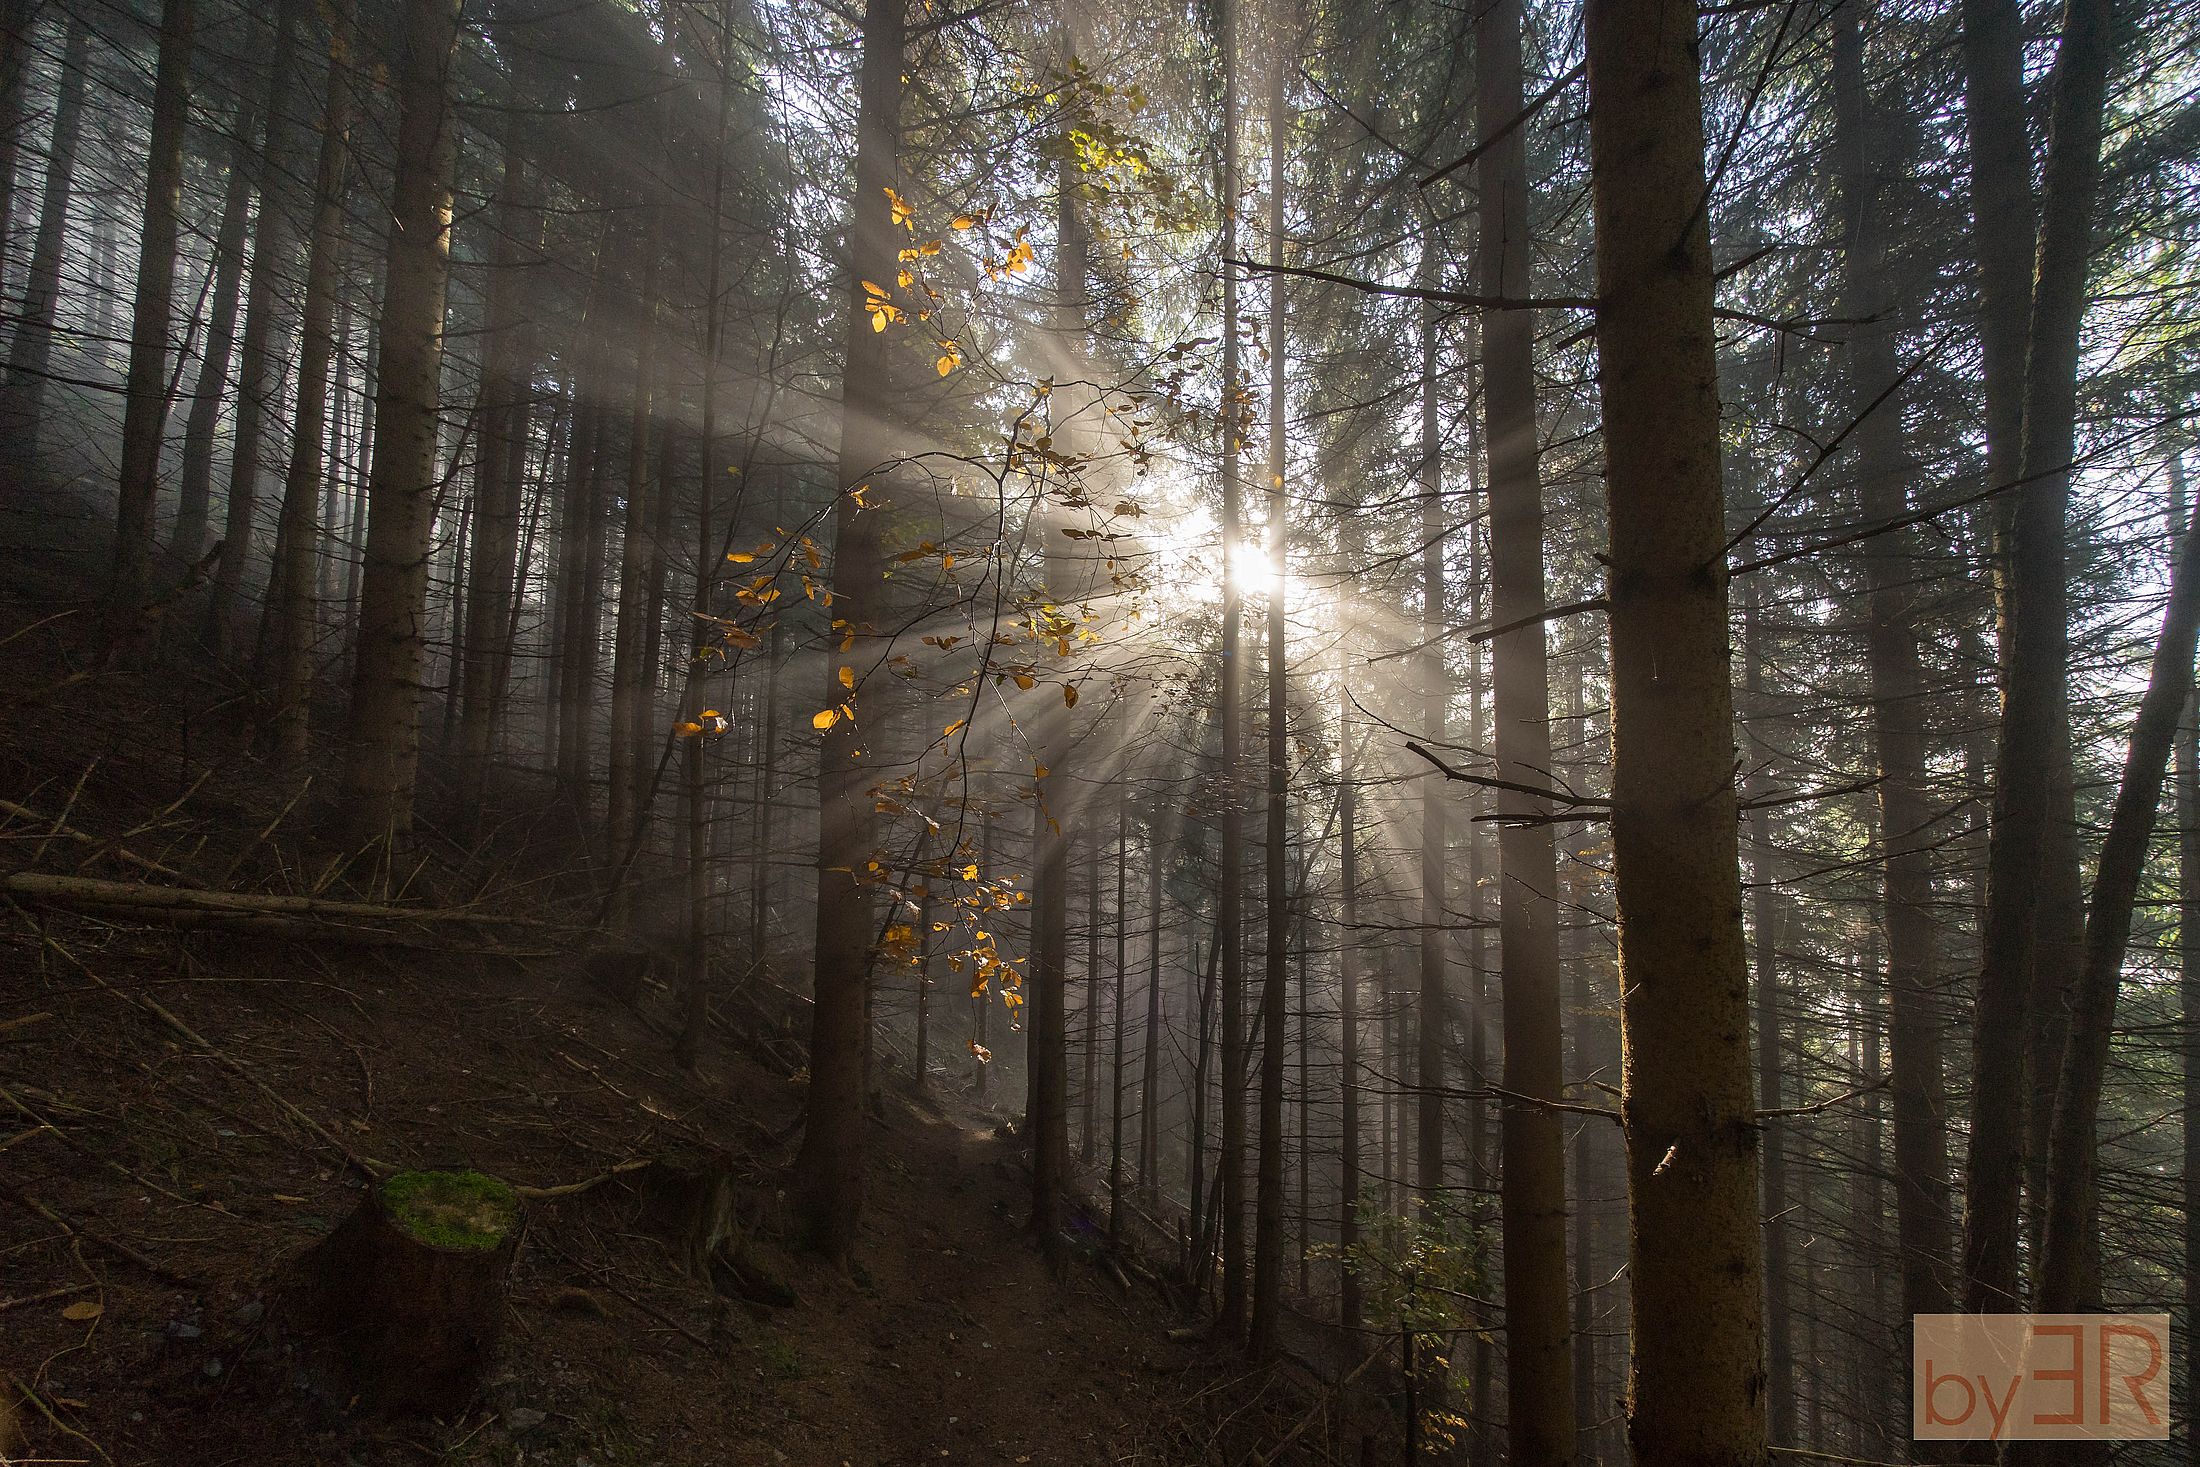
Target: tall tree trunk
1884 470
16 20
1432 1011
384 752
1115 1070
30 354
1697 1383
1149 1064
145 410
502 415
829 1170
1230 710
2035 658
630 731
1090 1095
1349 1305
256 381
2068 1280
2188 982
210 390
1764 922
298 538
1539 1402
1268 1217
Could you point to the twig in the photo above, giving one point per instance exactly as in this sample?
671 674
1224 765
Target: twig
574 1189
58 1424
115 1246
1555 796
1827 1104
99 848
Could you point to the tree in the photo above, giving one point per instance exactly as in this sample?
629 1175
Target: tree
297 536
1539 1386
1697 1389
829 1169
146 395
383 755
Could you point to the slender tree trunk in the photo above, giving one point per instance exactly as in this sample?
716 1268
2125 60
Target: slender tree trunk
30 355
502 414
2035 676
385 699
829 1170
1697 1390
145 411
2067 1281
257 379
629 744
1539 1403
1268 1219
2188 985
211 388
1432 1012
1149 1064
1764 918
1230 709
1090 1097
1884 470
1349 1305
297 606
1115 1073
16 20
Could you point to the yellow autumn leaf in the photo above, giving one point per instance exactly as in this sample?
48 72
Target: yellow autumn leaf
963 221
848 677
740 557
970 872
1025 680
824 718
956 727
84 1309
1069 695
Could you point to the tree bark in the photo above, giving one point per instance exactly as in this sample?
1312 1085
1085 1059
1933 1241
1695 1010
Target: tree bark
1268 1216
2067 1281
298 539
2035 672
1697 1382
1230 710
210 390
1432 1011
145 409
501 412
1539 1400
1884 470
256 384
384 750
630 722
829 1170
1349 1298
30 354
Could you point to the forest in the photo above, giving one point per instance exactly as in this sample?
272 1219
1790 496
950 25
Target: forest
1237 732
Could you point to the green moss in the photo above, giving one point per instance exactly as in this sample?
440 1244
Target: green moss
460 1211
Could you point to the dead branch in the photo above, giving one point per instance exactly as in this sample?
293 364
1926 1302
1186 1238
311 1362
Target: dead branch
99 847
63 891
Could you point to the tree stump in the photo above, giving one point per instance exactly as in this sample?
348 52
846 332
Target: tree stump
412 1285
690 1200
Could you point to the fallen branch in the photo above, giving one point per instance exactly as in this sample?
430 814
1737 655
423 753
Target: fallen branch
85 890
99 847
115 1246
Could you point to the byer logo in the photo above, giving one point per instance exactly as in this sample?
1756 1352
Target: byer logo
2039 1377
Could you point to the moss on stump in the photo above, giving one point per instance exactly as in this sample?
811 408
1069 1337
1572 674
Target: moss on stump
413 1283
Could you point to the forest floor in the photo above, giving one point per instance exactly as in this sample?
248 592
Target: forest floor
184 1113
